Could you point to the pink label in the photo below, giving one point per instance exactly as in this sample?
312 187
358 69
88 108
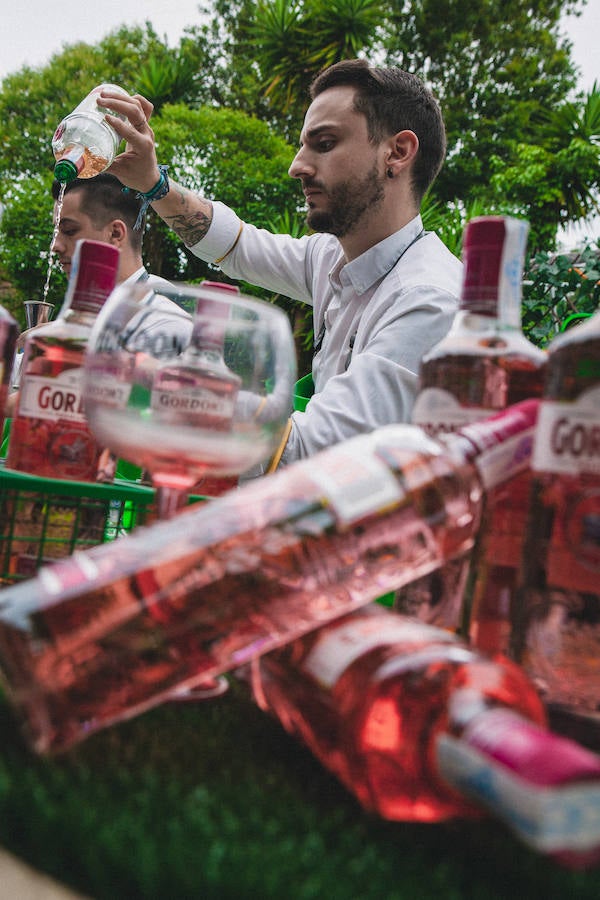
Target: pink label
535 754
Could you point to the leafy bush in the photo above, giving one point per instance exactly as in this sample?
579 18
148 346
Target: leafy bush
557 289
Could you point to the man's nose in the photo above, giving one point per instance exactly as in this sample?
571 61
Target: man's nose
300 165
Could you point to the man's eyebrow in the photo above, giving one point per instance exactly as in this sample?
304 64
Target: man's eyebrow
313 133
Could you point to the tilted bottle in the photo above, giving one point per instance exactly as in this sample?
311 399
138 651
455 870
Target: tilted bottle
556 626
113 630
50 436
484 364
420 727
84 143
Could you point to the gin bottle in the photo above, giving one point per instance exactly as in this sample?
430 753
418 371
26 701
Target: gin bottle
422 728
50 436
484 364
116 629
84 143
556 626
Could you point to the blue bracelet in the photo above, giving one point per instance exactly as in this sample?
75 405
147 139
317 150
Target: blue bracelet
160 190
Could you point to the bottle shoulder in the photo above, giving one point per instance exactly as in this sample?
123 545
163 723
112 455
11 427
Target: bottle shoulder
471 333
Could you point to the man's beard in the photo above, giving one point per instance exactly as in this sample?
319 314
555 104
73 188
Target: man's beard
348 203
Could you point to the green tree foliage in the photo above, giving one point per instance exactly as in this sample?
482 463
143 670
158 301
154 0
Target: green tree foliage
492 65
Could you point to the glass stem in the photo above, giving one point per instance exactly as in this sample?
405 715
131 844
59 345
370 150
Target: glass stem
169 501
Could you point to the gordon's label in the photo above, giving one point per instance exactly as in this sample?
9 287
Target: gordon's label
567 439
438 411
194 402
108 391
53 398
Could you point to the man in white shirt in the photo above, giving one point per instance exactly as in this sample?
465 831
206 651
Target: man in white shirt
383 291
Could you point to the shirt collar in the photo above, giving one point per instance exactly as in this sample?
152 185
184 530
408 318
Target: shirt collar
135 276
375 263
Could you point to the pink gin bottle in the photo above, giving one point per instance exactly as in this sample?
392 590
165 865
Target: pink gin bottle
109 632
557 624
50 436
422 728
484 364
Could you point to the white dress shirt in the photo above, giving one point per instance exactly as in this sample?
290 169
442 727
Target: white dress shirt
381 313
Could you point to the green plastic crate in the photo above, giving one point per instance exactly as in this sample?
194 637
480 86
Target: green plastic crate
44 519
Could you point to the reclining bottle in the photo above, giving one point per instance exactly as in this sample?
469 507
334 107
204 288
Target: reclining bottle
422 728
111 631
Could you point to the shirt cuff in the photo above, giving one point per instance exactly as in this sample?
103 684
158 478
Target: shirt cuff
221 236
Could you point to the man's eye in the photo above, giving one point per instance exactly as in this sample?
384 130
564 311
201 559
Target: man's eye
325 146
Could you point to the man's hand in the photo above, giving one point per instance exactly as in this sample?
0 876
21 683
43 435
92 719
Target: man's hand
137 167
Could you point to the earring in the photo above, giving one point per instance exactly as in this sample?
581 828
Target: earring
389 173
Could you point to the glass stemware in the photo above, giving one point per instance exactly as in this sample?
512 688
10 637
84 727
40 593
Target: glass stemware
190 381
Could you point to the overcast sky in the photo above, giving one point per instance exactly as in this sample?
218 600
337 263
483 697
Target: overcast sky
34 30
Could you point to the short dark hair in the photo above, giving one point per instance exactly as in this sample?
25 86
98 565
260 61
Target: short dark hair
103 199
393 100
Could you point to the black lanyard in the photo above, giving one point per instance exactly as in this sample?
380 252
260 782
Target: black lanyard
318 342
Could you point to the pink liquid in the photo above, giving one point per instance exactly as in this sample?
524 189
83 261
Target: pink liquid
99 637
557 626
50 436
504 371
369 695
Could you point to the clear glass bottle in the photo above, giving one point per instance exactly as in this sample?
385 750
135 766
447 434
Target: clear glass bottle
84 144
484 364
556 626
50 436
107 633
422 728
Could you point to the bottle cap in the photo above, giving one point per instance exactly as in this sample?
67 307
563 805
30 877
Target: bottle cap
493 252
93 275
65 170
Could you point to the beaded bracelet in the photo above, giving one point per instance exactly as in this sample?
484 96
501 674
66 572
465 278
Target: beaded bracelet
160 190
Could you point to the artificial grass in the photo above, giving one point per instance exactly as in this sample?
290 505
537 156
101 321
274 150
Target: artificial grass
213 800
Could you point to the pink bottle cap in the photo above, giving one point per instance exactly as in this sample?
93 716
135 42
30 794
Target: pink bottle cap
93 274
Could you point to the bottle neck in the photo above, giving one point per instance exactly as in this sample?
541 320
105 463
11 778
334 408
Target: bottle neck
494 253
500 446
70 164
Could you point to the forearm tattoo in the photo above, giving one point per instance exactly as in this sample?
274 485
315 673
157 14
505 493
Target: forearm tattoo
190 226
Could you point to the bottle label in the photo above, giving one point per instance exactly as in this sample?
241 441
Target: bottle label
192 405
567 440
502 462
355 482
338 648
53 398
110 391
438 412
550 819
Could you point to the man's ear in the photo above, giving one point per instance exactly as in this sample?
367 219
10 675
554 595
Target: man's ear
402 150
118 232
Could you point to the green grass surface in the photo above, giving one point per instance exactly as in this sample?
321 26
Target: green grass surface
214 800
